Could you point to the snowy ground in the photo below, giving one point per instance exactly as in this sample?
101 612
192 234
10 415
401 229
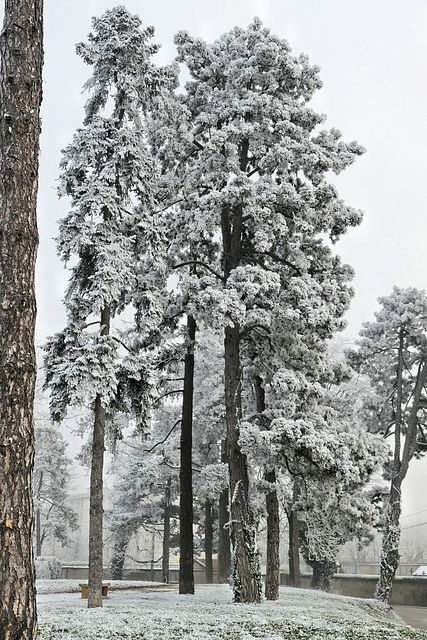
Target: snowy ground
150 614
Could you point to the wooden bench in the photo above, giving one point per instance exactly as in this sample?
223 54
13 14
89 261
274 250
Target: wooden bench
84 587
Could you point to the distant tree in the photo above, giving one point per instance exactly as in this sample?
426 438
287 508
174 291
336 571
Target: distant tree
392 352
21 51
51 486
106 171
257 183
145 491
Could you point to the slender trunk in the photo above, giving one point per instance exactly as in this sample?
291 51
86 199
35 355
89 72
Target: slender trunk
186 558
294 558
119 554
391 537
153 543
224 550
166 533
272 578
21 53
38 534
208 541
96 508
316 578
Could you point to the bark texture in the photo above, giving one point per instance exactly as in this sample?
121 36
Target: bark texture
246 576
186 558
21 50
96 503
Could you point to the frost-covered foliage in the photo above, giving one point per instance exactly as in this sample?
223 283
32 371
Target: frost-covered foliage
392 352
52 474
209 615
110 235
51 480
255 208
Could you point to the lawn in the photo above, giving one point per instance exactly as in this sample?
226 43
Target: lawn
210 614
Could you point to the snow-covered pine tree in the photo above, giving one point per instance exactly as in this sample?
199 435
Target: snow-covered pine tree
105 171
258 183
392 352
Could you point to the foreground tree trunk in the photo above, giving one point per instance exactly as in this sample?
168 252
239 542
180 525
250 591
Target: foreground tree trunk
21 50
96 504
186 558
294 559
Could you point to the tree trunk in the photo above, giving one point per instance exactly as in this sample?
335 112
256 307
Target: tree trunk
294 559
21 51
272 578
316 578
208 541
166 533
38 534
390 544
119 554
246 575
153 544
391 537
224 551
96 507
186 558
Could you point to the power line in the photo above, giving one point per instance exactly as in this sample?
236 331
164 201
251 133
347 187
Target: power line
414 514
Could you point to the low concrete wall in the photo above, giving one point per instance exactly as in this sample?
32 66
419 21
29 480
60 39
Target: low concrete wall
407 591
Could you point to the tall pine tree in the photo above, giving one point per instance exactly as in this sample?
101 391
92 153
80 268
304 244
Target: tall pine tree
106 171
255 205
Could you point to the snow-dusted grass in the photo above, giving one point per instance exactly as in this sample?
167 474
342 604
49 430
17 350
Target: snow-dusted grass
210 615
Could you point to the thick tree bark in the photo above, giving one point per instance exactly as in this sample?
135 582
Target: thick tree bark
21 51
224 549
96 507
208 541
246 575
166 533
294 559
186 558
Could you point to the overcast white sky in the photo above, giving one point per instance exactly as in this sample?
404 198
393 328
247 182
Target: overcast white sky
372 56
